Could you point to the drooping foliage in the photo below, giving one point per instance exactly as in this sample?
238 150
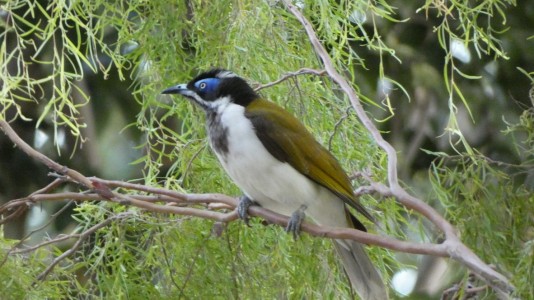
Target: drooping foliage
448 83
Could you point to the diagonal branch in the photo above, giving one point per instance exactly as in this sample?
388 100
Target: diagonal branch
396 189
456 249
75 175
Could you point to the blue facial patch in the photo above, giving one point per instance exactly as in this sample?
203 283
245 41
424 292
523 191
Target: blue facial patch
207 85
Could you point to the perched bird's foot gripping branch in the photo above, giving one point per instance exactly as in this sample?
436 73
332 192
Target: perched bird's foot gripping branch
293 225
242 208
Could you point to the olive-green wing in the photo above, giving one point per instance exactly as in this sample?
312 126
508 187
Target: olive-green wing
289 141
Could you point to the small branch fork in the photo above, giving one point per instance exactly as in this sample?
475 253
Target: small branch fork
452 245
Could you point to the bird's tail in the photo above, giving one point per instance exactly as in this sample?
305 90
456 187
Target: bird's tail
363 275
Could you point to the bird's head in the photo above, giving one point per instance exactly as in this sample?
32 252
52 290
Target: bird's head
214 88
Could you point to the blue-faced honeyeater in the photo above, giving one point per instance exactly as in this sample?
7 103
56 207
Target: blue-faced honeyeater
278 164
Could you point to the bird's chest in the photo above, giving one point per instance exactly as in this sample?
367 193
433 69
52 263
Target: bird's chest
234 141
270 182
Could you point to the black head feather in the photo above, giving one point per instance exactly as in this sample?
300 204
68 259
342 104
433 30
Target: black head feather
230 85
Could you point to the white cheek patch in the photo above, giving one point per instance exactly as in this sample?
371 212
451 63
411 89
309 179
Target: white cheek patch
221 104
200 101
218 105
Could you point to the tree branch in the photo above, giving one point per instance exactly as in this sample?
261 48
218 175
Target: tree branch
272 217
146 202
43 158
454 247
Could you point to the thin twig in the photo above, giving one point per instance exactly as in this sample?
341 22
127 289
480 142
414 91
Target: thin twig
50 187
452 292
57 239
46 224
15 214
289 75
81 237
364 190
172 271
199 198
336 126
141 202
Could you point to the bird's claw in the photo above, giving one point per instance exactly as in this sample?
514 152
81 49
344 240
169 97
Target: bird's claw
242 208
293 226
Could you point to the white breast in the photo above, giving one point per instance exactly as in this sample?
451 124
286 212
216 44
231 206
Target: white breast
273 184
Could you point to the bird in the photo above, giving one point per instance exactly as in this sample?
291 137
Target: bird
278 164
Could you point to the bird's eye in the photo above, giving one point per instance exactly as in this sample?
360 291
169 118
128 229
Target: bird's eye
207 85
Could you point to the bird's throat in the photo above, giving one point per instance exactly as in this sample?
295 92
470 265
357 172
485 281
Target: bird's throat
218 133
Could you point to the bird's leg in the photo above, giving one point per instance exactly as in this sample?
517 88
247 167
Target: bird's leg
295 221
242 208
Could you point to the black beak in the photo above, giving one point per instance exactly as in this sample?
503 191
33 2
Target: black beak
177 89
